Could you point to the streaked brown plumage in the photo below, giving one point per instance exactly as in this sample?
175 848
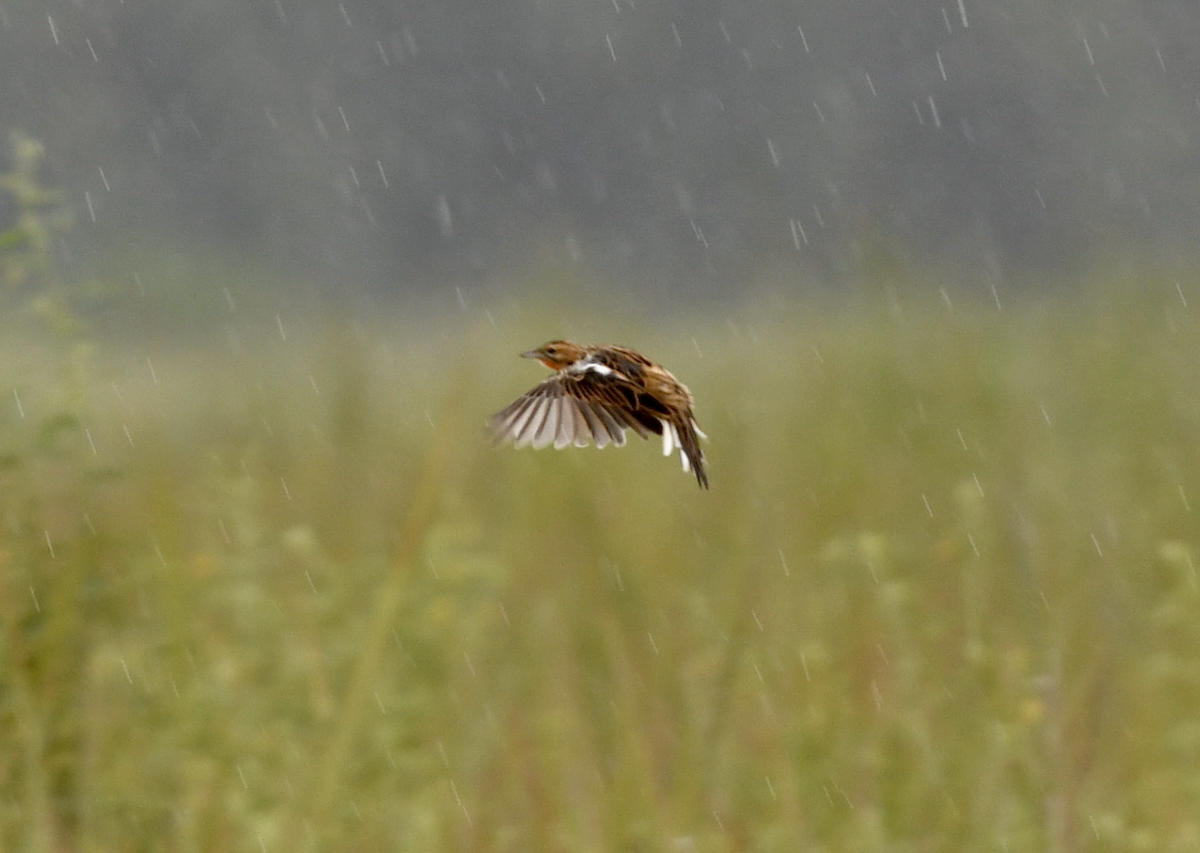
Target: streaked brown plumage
595 394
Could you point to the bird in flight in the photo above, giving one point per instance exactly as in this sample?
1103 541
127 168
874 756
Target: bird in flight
595 394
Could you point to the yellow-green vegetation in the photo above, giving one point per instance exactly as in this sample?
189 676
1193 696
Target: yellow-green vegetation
272 590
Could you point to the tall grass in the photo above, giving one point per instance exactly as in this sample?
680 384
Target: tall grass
277 592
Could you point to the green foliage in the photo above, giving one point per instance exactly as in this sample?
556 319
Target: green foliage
25 247
278 594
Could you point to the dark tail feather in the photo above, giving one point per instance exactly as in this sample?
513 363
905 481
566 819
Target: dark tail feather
691 446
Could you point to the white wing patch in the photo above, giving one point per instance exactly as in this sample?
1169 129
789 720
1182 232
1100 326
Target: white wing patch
590 365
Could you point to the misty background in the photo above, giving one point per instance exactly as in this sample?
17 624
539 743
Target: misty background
685 147
266 267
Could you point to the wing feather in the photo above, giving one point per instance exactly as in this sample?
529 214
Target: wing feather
612 425
632 422
573 429
539 409
548 428
564 434
514 424
596 427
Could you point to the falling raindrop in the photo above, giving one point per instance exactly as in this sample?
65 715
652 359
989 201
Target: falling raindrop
798 235
458 800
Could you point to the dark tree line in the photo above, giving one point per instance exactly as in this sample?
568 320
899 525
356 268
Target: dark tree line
679 141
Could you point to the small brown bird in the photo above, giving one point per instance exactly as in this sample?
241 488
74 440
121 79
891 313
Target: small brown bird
596 393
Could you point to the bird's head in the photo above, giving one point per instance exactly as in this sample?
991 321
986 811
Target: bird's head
556 354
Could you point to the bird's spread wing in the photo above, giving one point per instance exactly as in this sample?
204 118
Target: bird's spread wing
574 408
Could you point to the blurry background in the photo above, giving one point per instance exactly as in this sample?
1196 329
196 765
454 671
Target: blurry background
928 268
677 147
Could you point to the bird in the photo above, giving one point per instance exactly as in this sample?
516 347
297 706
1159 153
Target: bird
595 394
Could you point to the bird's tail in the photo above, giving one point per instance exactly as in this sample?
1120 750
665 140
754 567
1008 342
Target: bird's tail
686 435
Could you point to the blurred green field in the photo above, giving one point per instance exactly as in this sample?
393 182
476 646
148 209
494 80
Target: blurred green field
274 591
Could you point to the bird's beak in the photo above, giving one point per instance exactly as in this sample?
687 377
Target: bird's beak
533 353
